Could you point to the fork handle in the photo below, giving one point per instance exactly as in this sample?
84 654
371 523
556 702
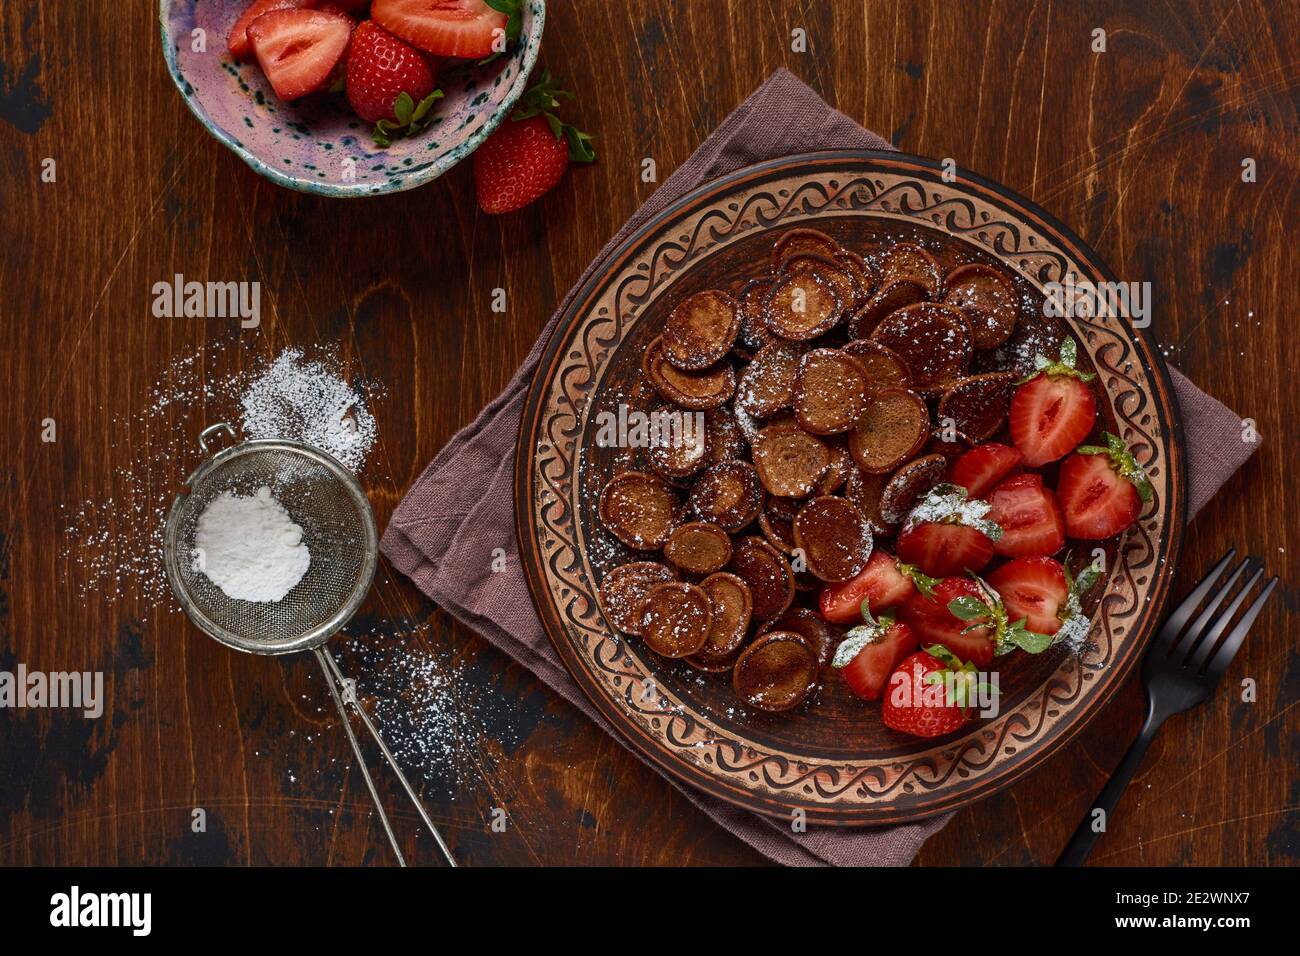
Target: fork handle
1080 845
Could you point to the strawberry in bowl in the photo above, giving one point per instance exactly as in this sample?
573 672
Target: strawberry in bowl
287 110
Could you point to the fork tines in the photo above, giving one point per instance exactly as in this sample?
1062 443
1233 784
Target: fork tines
1194 646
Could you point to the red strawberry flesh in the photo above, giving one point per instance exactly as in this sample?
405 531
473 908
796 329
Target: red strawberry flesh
1029 516
1050 416
459 28
1034 589
298 49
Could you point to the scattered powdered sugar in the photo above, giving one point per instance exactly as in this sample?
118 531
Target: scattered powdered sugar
250 547
308 402
113 539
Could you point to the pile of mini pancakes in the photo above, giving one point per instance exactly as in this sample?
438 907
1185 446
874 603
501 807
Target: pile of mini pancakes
834 395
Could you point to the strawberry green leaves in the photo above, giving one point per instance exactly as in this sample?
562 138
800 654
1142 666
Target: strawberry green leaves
990 612
924 583
961 678
1122 460
1067 359
411 118
950 504
540 100
514 11
1075 625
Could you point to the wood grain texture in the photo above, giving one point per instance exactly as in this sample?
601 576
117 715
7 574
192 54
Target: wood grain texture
1138 149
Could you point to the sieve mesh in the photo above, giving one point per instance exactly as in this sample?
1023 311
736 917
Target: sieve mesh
338 528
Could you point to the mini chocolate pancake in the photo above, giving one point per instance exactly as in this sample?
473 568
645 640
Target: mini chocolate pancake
862 273
790 461
624 588
988 297
728 494
894 426
821 637
841 465
732 608
693 390
802 305
767 384
909 484
842 280
795 242
700 330
753 333
725 441
777 672
678 448
978 405
934 340
777 522
711 667
639 509
675 619
885 368
887 299
835 537
698 547
864 491
908 262
830 391
767 574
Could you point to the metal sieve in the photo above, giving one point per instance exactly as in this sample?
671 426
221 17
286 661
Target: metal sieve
338 527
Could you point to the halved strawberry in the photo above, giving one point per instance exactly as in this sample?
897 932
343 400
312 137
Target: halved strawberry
983 467
941 549
930 694
1101 490
870 652
934 623
241 48
1035 589
298 49
1030 519
882 582
459 28
1054 410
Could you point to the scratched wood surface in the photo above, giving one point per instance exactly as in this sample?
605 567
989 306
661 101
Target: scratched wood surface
1139 149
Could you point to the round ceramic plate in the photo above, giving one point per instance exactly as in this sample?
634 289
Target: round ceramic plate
833 758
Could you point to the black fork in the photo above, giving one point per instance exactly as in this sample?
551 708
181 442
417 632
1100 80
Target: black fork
1182 668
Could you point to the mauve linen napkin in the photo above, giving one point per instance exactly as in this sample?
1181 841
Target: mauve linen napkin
461 508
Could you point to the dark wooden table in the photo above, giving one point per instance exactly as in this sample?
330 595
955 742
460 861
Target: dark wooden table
1139 149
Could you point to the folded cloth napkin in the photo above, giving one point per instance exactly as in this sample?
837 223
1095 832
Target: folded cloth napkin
444 532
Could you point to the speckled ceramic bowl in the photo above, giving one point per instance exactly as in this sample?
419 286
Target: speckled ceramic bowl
317 145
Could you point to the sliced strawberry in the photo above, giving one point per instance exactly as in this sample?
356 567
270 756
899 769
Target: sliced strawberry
241 48
1053 411
299 49
940 549
870 652
459 28
1034 589
1030 519
934 622
920 705
881 582
1097 499
983 467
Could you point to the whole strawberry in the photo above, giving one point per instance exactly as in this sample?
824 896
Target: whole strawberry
528 153
930 693
389 83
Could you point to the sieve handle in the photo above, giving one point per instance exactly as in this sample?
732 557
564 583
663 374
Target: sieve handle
212 430
341 691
